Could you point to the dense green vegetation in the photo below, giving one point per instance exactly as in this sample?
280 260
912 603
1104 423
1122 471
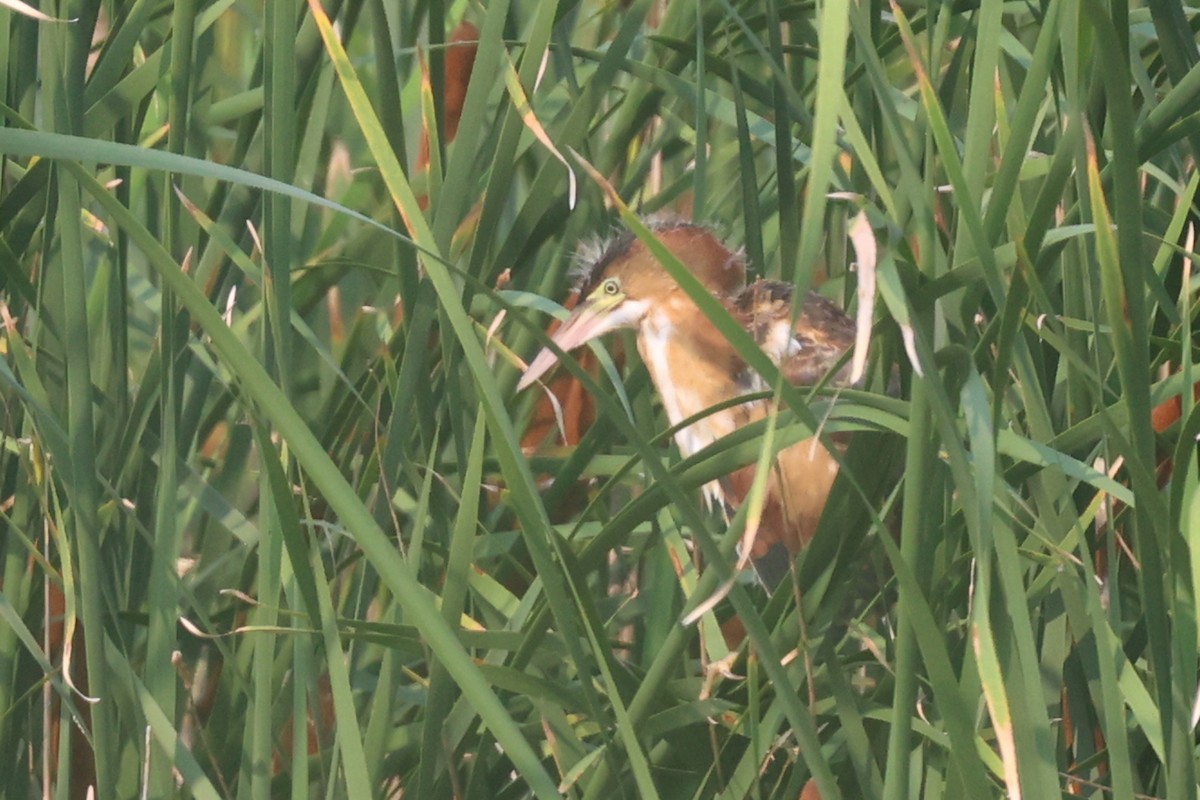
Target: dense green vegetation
262 461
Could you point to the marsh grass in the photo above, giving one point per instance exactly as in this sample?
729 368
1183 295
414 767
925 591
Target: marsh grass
263 464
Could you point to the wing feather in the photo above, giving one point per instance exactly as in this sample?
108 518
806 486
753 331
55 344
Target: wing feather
822 333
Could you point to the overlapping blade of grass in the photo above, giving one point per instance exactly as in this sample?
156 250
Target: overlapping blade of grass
310 455
513 465
80 522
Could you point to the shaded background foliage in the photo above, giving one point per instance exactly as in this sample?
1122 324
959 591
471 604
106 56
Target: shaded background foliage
268 526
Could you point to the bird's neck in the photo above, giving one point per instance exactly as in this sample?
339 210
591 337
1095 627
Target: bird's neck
693 369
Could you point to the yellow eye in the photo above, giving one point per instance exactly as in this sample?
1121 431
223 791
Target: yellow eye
611 287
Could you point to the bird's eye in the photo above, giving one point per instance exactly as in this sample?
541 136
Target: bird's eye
611 287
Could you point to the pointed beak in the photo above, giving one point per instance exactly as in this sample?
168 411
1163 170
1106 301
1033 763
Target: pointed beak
587 321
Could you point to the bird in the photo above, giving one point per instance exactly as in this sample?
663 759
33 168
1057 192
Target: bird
622 285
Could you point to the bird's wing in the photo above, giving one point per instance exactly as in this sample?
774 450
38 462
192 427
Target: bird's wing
822 335
807 350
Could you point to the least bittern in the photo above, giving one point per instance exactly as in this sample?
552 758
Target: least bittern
694 367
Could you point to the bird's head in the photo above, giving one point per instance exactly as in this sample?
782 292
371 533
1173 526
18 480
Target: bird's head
621 282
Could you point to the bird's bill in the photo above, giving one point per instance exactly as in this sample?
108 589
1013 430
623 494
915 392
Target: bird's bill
586 322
